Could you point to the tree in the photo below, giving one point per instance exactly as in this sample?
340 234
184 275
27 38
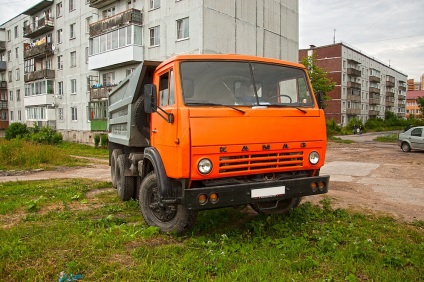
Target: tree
420 102
319 77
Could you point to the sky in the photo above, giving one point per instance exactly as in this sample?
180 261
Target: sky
390 31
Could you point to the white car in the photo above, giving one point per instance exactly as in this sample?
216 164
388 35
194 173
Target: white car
412 139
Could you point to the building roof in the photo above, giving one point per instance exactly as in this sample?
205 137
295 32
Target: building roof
412 95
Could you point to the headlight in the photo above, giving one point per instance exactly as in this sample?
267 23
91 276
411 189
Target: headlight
314 158
204 166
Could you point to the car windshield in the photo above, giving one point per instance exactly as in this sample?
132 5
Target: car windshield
244 84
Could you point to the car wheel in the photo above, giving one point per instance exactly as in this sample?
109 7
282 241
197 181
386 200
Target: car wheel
124 184
405 147
276 207
168 217
113 159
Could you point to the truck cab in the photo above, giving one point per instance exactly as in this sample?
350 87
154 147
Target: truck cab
216 131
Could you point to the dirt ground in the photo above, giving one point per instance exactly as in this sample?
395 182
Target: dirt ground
364 176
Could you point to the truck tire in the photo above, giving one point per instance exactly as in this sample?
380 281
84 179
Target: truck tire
283 206
113 159
168 217
124 184
140 117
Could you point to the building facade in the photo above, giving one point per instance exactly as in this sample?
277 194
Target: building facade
365 88
412 107
61 58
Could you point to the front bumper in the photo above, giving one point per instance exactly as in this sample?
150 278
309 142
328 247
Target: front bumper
246 193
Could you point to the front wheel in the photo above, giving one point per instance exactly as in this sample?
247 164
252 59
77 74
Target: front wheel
276 207
168 217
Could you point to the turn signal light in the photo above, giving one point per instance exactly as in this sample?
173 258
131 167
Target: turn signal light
321 185
202 199
213 198
314 187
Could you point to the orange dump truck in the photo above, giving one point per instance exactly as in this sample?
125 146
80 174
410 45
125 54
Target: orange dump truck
199 132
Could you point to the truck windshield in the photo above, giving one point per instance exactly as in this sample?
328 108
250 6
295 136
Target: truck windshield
244 84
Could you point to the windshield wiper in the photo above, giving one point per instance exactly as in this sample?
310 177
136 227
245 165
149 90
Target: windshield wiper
213 104
285 106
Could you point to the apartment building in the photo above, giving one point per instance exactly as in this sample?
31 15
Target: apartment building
61 58
365 88
412 107
416 85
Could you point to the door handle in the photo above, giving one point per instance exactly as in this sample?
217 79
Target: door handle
154 131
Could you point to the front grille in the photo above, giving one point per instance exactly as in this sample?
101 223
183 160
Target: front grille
258 162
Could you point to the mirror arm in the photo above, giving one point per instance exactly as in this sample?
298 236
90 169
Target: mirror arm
169 117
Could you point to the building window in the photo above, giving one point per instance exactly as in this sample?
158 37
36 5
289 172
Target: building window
60 62
19 115
74 112
10 76
18 95
59 11
108 78
11 116
86 55
154 4
18 74
108 12
72 31
182 29
60 114
131 4
154 36
16 32
60 88
129 71
73 59
71 5
9 35
59 36
17 52
9 56
87 24
11 96
116 39
73 86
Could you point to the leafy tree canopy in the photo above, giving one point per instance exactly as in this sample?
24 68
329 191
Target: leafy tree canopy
420 102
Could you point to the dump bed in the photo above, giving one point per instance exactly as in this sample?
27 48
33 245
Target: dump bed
127 122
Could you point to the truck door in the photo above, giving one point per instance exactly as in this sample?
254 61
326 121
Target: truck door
164 134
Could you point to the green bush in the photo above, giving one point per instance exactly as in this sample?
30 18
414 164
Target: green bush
104 141
16 130
332 127
96 140
46 135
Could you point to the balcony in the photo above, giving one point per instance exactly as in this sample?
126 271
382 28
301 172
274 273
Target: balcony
354 98
41 99
401 97
100 93
353 72
390 93
373 112
403 88
3 66
350 111
41 74
100 3
42 26
374 101
3 105
374 90
131 16
2 46
400 114
390 81
42 50
128 55
3 84
351 84
390 104
373 78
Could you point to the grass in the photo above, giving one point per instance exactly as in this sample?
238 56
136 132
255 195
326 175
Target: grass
339 140
21 155
390 138
81 227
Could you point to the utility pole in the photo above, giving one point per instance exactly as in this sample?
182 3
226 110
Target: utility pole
334 37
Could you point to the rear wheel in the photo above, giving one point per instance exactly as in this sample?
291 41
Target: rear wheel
124 184
276 207
405 147
113 158
168 217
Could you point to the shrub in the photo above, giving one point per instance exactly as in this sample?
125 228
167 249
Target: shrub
96 140
46 135
104 141
16 130
332 127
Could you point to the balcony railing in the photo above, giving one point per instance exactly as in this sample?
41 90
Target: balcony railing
41 74
374 101
3 65
353 72
402 97
403 88
390 104
353 111
41 50
354 98
3 105
374 78
2 46
390 81
42 26
100 92
374 90
127 17
3 84
351 84
100 3
373 112
390 94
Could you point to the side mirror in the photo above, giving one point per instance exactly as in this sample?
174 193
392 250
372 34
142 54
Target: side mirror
150 105
320 99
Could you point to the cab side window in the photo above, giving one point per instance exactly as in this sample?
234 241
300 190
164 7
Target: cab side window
166 89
